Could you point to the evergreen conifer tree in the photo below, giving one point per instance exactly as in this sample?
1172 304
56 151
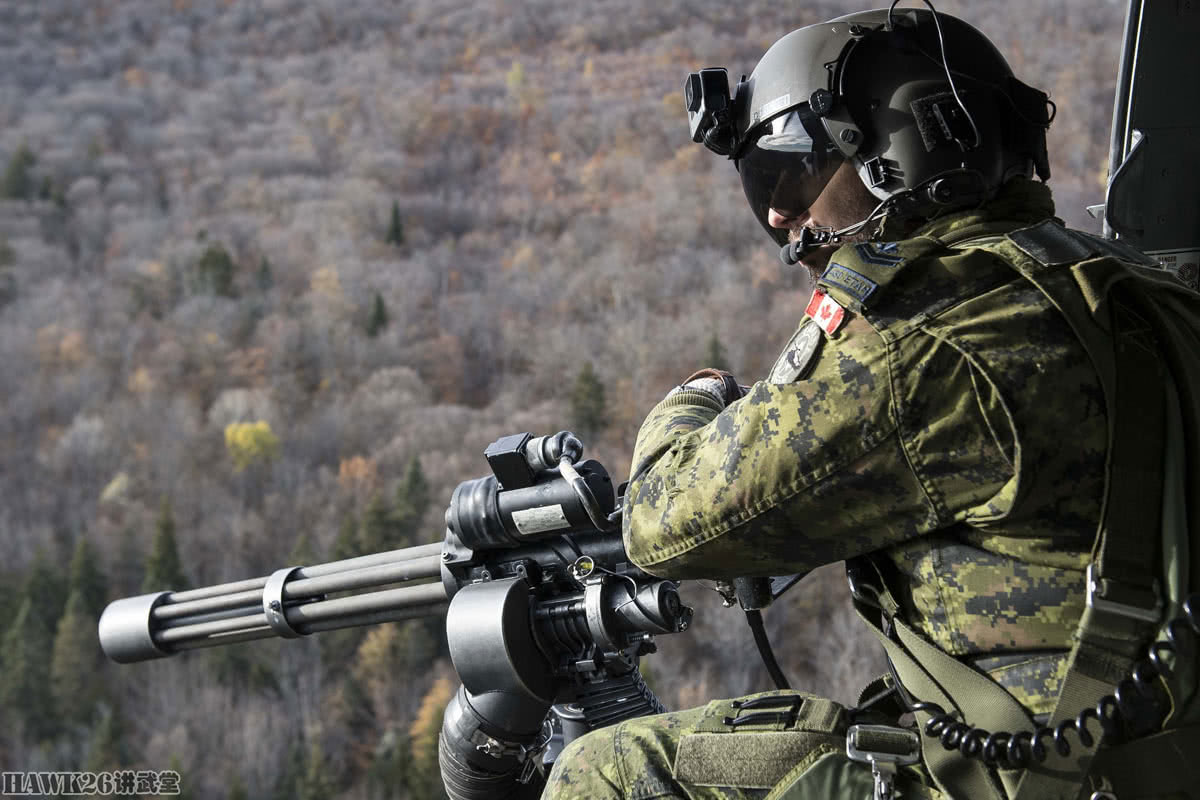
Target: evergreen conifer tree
346 544
388 772
87 579
241 667
375 535
8 256
318 784
588 409
11 597
338 647
176 766
17 183
46 589
302 552
290 782
163 568
378 318
412 501
264 278
237 789
715 356
106 747
215 269
395 234
354 715
24 664
75 661
128 568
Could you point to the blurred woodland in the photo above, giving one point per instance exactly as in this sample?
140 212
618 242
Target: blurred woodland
274 273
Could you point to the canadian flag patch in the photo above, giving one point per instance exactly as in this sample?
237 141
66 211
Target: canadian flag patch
826 312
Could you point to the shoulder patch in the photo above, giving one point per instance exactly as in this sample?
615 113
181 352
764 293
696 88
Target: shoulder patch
1118 249
799 355
1051 245
852 283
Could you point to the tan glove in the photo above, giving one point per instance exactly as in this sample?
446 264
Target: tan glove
718 383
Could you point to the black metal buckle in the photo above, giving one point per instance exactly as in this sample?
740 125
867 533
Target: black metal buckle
788 706
877 172
1102 594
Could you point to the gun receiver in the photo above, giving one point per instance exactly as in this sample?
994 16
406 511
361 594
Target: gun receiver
543 610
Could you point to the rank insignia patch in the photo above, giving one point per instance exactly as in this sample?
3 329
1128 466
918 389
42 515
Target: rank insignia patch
880 254
857 286
826 312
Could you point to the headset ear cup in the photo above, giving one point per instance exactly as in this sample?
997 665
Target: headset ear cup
1026 125
931 94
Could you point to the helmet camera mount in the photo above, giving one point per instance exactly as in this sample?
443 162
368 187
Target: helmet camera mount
710 110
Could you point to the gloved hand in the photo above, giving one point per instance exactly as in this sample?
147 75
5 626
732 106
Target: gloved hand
722 386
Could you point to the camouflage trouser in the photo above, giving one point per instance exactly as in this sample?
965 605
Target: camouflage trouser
791 751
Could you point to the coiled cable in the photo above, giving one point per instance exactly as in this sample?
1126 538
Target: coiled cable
1132 695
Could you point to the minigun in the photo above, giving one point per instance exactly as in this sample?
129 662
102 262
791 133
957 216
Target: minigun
546 618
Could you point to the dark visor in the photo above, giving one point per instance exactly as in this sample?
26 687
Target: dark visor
785 166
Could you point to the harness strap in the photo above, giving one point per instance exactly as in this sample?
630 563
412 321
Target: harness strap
935 676
1124 607
1162 765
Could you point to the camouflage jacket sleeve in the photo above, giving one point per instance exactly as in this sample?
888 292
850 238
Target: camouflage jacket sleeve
889 438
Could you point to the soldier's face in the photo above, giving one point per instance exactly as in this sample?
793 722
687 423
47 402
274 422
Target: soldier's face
843 202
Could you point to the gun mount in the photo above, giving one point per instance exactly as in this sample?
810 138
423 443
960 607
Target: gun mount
546 618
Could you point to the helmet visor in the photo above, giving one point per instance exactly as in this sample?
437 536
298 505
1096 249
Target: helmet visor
786 166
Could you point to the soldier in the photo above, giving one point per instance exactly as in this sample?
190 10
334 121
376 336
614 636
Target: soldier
972 413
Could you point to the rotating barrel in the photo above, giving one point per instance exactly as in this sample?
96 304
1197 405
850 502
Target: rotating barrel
288 603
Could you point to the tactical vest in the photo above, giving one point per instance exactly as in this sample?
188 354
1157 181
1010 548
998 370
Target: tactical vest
1141 329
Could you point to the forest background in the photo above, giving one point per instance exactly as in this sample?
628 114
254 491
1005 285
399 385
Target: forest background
274 273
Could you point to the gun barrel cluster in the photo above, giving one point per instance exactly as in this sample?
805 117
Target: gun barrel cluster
287 603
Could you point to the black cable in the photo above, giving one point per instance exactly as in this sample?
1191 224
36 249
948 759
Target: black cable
1132 696
755 620
945 65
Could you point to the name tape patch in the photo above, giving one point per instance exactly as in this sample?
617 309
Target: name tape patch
857 286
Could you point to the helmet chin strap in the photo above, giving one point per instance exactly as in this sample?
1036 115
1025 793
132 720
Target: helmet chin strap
814 238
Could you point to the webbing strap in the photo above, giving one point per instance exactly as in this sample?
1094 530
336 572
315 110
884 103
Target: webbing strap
1125 556
977 696
937 677
1162 765
1129 539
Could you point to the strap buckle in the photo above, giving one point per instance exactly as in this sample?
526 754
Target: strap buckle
885 748
1106 594
860 589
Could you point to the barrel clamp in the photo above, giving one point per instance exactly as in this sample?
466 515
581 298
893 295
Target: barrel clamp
273 603
528 756
885 748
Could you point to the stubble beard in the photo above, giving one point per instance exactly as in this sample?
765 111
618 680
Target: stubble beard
816 260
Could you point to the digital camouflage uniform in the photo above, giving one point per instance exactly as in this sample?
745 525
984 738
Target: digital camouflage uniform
954 424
